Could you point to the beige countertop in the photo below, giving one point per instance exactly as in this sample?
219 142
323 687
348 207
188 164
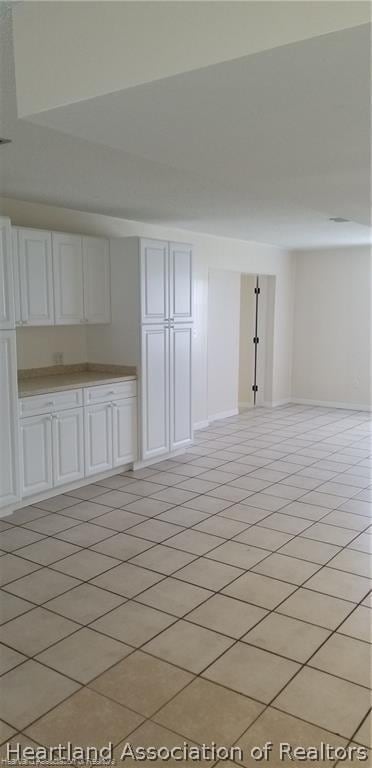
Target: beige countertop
39 381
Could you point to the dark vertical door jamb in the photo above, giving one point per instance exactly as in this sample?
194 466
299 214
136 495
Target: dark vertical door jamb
257 291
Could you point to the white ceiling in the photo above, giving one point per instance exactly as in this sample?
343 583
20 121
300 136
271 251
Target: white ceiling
266 147
69 51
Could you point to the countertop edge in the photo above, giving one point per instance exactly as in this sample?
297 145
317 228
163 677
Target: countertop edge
84 384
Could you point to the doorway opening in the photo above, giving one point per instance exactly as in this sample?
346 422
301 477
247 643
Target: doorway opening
235 362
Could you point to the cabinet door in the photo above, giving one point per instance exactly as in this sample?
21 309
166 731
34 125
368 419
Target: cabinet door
36 454
154 281
98 438
68 279
35 268
180 282
124 431
154 391
9 454
180 386
16 278
68 446
7 319
96 271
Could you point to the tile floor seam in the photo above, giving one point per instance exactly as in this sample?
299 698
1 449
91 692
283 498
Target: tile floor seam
172 575
273 610
89 547
303 664
266 706
363 720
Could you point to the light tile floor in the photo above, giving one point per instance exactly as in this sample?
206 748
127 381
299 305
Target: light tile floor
220 596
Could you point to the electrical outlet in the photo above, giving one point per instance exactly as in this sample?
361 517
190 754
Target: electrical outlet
58 358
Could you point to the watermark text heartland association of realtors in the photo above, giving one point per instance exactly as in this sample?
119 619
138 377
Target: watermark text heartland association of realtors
19 754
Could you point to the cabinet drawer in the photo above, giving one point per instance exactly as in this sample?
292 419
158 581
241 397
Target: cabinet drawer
52 401
108 392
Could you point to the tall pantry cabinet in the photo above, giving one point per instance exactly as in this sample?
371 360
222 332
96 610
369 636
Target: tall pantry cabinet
152 303
9 456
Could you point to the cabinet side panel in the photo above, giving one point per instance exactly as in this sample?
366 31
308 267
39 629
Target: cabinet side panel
9 457
7 317
16 277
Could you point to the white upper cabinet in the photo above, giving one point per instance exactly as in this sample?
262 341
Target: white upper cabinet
60 279
154 281
180 282
35 273
68 279
96 274
7 317
166 282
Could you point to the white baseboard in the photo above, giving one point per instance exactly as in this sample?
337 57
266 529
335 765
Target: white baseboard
277 403
201 425
332 404
223 415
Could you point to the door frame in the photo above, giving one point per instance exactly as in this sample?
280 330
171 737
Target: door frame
266 345
264 330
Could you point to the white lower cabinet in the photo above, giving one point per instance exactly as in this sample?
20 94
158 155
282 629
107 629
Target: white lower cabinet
36 454
61 444
110 435
166 388
155 390
98 438
124 431
68 446
180 343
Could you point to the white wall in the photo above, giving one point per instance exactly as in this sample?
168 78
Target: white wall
210 253
333 328
36 347
223 343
